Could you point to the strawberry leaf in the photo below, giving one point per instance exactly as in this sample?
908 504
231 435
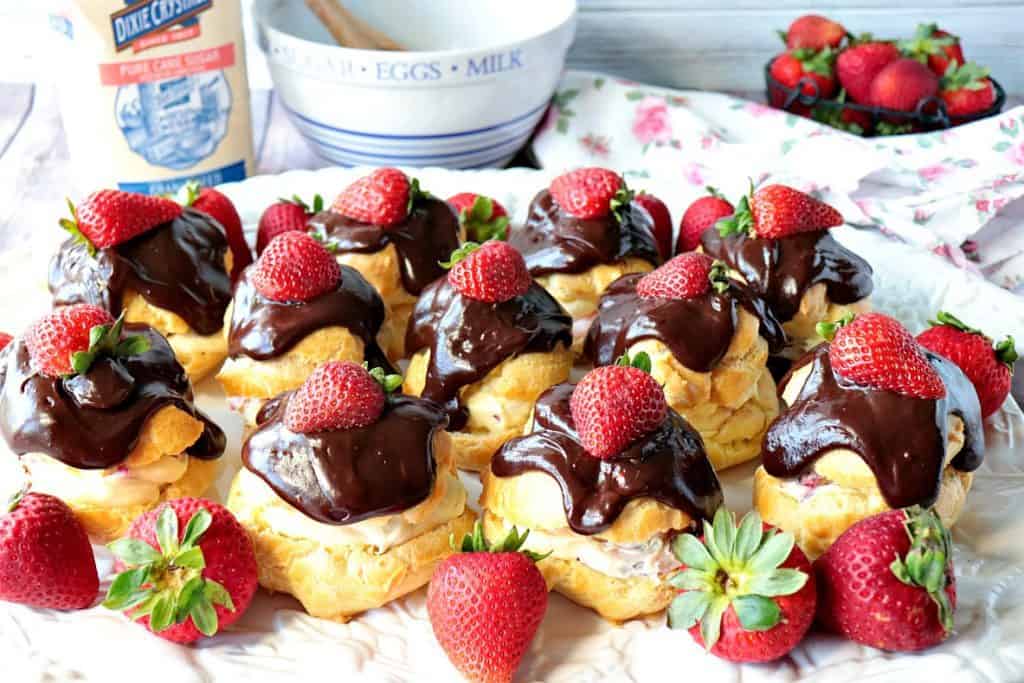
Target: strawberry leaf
779 582
926 563
389 382
125 588
163 614
203 615
192 558
1006 352
462 252
692 552
133 551
218 595
687 609
772 553
711 624
741 222
724 528
167 530
748 538
186 599
756 613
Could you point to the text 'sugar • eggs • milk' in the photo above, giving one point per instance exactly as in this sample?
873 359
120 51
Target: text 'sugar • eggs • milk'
153 92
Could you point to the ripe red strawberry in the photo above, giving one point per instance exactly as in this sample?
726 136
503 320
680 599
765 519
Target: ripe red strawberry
339 395
54 339
614 405
989 369
109 217
45 557
902 84
967 90
747 592
485 605
686 276
814 32
483 218
777 211
814 68
384 198
876 351
661 221
934 47
702 214
285 215
857 66
5 339
888 582
589 192
844 118
493 271
183 585
216 204
295 267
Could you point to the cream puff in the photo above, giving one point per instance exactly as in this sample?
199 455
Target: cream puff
114 434
846 448
486 341
351 497
608 522
396 235
279 333
779 245
708 339
581 234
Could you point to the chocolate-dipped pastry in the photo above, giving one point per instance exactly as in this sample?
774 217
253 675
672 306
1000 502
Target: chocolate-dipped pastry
94 420
425 238
668 465
467 338
263 329
902 439
177 266
345 476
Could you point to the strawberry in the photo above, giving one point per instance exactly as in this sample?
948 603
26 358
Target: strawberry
492 272
67 340
285 215
989 368
188 584
967 90
810 71
339 395
614 405
482 217
902 85
814 32
589 192
661 221
857 66
385 197
5 339
216 204
747 592
485 604
934 47
777 211
295 267
876 351
843 117
686 276
45 557
888 581
109 217
701 215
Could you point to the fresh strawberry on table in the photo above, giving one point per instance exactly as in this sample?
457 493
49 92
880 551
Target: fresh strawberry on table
216 204
661 220
483 218
843 118
485 605
590 192
685 276
747 592
189 570
384 198
776 211
109 217
45 557
285 215
339 395
5 339
990 368
67 340
857 66
813 31
491 272
702 214
888 581
967 90
934 47
815 68
902 84
295 267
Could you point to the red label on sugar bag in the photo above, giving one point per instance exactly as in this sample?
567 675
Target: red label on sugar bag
159 68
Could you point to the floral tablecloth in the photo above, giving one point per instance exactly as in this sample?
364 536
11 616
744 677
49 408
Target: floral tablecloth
951 192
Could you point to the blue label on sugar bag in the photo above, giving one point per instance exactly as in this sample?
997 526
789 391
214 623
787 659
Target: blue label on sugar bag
226 174
146 17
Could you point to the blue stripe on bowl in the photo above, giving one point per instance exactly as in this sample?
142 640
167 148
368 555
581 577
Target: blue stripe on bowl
347 160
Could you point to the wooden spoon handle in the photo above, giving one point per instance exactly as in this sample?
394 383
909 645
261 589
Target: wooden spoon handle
349 30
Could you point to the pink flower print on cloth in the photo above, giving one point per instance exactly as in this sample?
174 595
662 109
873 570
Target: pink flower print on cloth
651 122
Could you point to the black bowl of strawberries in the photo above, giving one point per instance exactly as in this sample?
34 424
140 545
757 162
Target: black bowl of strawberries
868 86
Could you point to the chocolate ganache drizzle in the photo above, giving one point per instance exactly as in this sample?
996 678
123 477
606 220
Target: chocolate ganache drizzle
423 240
468 338
668 465
781 270
555 241
263 329
697 331
901 438
93 420
177 266
346 476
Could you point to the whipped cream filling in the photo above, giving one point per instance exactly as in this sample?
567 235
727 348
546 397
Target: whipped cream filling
247 407
383 533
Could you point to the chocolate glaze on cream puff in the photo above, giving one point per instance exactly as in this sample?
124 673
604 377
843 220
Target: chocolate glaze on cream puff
173 277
